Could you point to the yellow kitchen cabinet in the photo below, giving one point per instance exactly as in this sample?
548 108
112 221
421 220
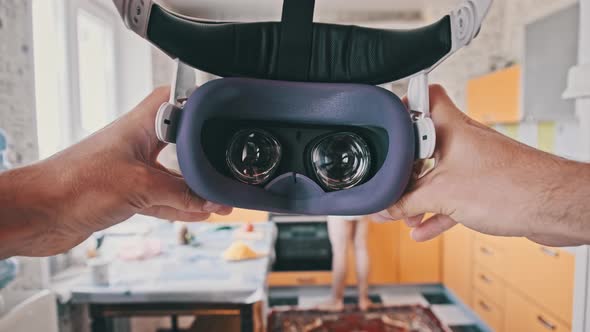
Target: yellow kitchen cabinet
419 262
489 285
495 98
544 275
524 315
490 256
241 215
489 312
457 261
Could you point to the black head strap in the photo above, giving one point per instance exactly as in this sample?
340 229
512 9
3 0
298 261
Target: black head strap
295 45
297 49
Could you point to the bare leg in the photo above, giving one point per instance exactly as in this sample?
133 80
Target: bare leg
340 233
362 262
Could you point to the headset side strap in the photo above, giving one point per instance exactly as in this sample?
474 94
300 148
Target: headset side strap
168 117
419 106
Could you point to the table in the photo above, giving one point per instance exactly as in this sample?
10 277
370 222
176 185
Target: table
183 280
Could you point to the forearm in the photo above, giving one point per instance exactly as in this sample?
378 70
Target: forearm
564 205
25 211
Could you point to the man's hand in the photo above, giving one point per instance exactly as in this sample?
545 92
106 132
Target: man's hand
495 185
51 206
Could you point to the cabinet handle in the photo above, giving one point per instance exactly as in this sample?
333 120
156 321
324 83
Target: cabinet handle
485 279
486 251
550 252
546 324
305 280
484 306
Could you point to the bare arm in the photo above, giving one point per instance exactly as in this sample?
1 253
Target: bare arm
51 206
495 185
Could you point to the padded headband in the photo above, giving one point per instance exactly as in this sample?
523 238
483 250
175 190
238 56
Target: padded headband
295 49
333 53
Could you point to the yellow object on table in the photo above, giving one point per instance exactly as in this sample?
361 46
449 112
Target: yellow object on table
238 251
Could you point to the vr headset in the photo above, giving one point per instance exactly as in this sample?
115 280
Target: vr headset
296 125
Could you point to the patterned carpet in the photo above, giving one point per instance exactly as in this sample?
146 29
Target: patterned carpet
443 304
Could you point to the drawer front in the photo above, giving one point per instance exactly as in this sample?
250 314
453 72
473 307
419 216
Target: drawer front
522 315
489 285
299 278
545 275
496 241
489 312
490 257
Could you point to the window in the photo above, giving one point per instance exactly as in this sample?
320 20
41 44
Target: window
88 70
96 72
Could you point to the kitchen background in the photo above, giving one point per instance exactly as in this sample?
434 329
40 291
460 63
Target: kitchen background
47 47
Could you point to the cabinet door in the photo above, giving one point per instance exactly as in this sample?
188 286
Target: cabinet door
383 250
299 278
545 275
523 315
457 261
489 312
241 215
419 262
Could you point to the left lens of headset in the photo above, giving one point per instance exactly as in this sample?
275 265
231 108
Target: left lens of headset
253 156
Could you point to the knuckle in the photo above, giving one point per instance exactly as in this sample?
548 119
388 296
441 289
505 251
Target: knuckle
399 209
141 182
188 198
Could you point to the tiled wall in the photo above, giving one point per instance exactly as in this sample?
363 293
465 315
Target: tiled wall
17 88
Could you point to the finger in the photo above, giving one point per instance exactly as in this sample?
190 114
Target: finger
172 191
382 216
422 197
168 213
151 104
405 101
414 221
432 227
165 169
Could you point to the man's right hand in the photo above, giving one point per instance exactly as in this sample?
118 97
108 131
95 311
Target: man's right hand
495 185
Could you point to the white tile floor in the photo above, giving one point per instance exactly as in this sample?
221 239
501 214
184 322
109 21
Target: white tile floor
451 315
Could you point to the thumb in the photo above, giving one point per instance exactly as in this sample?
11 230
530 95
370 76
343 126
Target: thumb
172 191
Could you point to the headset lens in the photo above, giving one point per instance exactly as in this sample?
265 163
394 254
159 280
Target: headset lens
341 161
253 156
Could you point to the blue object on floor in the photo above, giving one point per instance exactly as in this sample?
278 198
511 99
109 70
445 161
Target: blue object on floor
3 146
437 298
350 299
8 270
465 328
275 301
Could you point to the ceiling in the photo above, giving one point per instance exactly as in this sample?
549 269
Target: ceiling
326 10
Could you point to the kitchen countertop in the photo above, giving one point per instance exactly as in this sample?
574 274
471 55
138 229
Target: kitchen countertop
183 273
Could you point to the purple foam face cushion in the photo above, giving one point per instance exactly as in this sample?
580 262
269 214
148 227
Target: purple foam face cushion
220 108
